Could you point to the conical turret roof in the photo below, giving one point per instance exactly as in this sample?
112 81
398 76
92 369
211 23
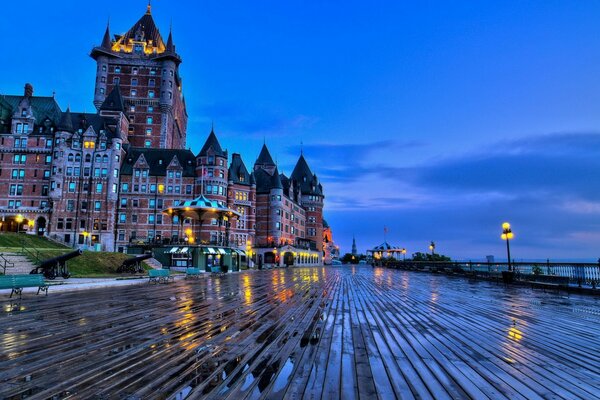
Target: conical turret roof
106 42
264 158
212 142
114 101
309 183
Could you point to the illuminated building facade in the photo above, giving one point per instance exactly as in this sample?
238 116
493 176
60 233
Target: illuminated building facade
103 180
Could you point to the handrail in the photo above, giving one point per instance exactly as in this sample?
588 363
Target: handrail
6 264
33 253
578 273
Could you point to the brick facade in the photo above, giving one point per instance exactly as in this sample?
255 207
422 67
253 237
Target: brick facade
103 179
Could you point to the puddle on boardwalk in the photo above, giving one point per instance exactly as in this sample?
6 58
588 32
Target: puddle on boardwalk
283 378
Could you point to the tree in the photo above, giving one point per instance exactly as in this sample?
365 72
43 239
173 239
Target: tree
418 256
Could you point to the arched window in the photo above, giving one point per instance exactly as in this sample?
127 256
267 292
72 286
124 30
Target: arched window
88 157
105 158
70 157
98 158
77 157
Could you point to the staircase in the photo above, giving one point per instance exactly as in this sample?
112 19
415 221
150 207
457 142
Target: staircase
153 263
16 263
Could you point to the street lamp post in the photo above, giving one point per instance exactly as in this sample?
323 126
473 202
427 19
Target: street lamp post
432 248
507 235
19 218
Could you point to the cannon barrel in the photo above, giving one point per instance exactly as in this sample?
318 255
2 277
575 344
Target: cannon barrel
133 264
60 259
55 266
137 259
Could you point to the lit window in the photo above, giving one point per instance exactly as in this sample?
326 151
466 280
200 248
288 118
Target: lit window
147 143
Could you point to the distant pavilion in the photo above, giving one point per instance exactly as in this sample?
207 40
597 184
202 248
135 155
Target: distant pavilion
385 250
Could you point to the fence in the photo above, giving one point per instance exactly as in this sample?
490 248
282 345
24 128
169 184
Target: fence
578 273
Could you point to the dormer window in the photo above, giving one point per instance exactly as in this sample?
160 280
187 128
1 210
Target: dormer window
88 144
103 145
23 112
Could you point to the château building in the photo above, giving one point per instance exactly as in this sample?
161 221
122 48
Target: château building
108 180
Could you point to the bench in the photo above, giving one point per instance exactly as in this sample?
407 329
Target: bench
159 276
546 281
192 273
18 282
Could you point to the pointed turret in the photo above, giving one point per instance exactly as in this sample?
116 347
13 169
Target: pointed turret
106 42
212 142
66 122
114 101
238 173
264 158
170 45
309 183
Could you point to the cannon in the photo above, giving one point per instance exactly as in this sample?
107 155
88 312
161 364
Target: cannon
53 267
134 264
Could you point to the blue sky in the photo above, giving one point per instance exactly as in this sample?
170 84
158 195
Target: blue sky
439 120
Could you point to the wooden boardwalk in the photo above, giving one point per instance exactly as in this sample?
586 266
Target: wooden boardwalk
302 333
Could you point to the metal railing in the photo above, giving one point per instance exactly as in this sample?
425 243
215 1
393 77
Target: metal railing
580 274
33 254
4 263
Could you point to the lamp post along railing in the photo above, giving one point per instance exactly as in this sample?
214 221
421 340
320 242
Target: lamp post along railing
507 235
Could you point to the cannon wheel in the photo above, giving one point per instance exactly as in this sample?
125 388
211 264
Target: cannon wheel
50 273
66 275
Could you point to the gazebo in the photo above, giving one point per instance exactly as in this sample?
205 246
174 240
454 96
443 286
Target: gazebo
198 210
386 250
209 255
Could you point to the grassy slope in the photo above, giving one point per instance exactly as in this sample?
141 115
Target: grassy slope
15 241
89 264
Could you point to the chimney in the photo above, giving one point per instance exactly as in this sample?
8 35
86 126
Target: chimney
28 90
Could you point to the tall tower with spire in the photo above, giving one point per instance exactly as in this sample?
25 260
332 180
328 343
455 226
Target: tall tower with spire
354 251
312 200
146 69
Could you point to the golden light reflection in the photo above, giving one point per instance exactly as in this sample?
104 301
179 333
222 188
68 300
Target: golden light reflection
515 334
247 290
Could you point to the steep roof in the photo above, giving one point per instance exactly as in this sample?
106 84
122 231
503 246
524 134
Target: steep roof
212 142
145 30
41 106
66 121
264 158
106 42
82 121
238 173
114 101
309 183
265 181
159 159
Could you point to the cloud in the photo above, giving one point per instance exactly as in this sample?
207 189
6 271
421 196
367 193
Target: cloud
547 186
